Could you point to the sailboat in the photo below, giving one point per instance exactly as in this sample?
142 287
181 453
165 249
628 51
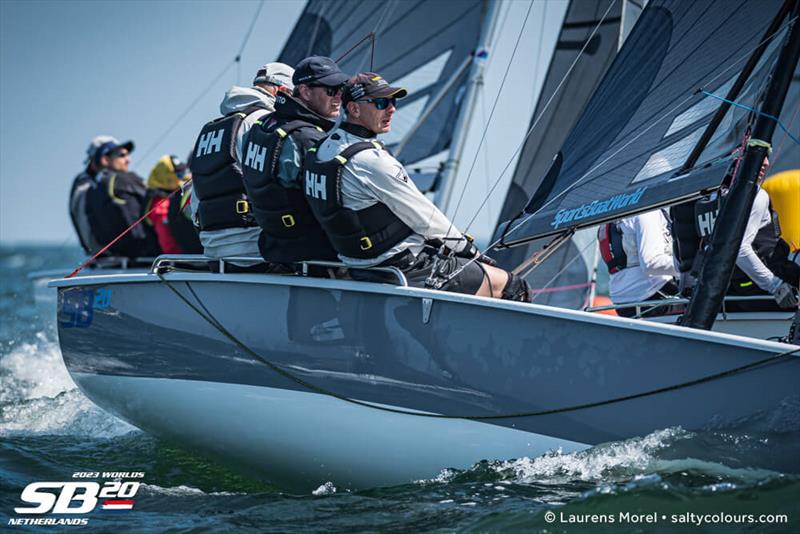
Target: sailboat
302 380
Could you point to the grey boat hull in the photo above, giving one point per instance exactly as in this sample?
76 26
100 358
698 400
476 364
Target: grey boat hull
139 351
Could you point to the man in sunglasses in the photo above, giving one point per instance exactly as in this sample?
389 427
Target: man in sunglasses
273 157
106 199
219 202
374 214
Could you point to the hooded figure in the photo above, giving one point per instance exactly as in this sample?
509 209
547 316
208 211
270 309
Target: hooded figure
172 224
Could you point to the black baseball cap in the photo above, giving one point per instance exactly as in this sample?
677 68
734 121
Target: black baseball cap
370 85
319 70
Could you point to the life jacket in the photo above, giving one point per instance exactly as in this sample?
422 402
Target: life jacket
291 233
184 232
113 203
361 234
217 176
685 240
705 212
77 212
616 248
176 233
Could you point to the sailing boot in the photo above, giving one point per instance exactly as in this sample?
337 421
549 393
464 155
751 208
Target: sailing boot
516 289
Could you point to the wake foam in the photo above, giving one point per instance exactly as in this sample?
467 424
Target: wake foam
37 396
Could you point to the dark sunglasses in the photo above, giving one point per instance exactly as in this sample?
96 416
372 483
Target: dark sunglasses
330 91
382 103
118 153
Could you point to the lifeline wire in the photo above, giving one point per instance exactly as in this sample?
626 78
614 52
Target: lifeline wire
210 319
608 158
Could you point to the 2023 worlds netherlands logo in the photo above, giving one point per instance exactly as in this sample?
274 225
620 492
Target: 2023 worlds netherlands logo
114 493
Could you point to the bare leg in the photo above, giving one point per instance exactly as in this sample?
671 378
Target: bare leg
493 282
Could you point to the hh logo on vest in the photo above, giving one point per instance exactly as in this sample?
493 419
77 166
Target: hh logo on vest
705 223
256 154
315 185
210 142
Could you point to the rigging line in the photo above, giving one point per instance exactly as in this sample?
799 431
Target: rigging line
542 113
538 86
388 11
757 112
244 43
779 148
183 114
491 115
210 319
579 254
603 162
319 18
486 157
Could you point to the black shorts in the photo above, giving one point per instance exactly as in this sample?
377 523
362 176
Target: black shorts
417 270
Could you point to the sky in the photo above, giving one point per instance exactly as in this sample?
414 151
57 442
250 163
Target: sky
71 70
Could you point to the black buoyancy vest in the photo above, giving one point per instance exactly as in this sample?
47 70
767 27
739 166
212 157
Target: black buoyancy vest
291 233
686 242
609 237
113 203
362 234
182 228
217 176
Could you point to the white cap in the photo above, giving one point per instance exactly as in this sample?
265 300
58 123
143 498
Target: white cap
275 74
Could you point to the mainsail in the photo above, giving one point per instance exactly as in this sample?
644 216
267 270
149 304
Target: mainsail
625 153
594 28
420 45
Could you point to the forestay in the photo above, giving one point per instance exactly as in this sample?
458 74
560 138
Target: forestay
648 113
419 45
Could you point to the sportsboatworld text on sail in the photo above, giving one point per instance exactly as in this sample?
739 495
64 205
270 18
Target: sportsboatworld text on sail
598 207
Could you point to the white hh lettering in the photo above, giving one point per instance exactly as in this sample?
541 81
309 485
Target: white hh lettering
210 142
315 185
256 154
705 223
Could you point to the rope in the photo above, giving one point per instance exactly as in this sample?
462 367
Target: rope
210 319
128 229
757 112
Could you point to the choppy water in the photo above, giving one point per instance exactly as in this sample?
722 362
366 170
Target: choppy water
49 430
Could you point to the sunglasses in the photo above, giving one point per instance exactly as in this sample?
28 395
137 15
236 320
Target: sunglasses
118 154
330 91
382 103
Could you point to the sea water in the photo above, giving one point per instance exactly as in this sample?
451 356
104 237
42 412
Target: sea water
669 481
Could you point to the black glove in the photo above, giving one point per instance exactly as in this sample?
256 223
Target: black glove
483 258
469 252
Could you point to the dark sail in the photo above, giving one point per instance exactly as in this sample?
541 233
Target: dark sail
786 153
568 272
649 111
419 45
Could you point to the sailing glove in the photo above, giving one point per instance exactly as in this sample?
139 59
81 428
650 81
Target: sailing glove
785 296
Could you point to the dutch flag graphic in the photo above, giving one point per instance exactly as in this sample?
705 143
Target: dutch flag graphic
122 505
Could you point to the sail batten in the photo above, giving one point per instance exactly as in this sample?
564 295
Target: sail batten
647 115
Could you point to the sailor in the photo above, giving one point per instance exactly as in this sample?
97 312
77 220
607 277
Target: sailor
166 214
106 199
373 213
638 253
762 264
220 205
273 157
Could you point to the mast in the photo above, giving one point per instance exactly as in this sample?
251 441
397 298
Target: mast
474 83
718 263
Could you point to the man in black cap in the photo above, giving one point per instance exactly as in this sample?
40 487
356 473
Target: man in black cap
272 164
374 214
105 199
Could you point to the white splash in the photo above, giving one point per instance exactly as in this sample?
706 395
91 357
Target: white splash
326 489
37 396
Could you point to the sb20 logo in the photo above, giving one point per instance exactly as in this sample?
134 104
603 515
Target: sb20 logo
116 495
